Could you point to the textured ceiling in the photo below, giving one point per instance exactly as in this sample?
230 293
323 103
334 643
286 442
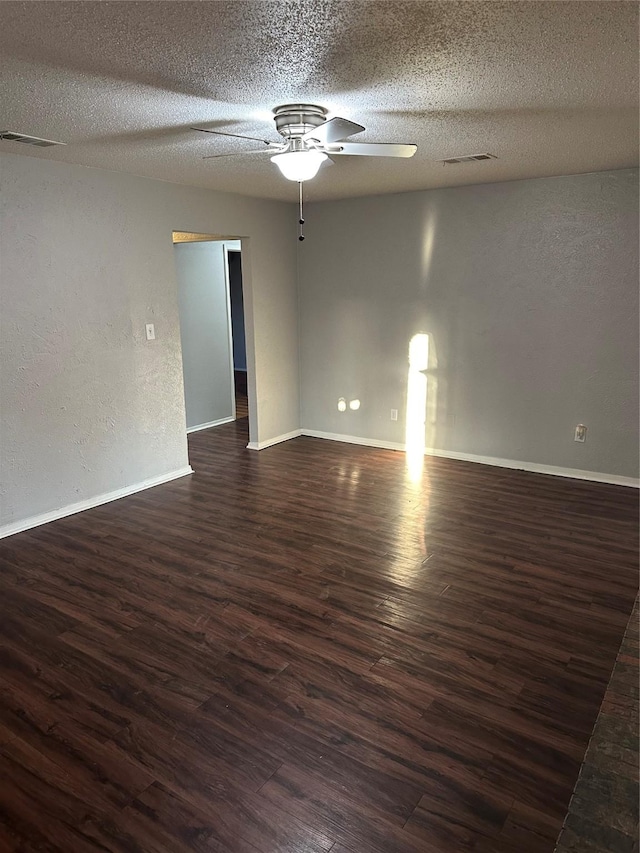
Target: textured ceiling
551 88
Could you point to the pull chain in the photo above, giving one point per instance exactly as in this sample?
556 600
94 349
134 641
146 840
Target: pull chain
301 217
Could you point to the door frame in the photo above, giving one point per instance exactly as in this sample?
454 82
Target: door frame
226 248
183 236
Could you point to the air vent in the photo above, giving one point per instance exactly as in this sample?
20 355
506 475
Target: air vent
12 136
469 158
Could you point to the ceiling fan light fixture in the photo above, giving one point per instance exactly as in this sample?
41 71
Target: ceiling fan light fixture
299 165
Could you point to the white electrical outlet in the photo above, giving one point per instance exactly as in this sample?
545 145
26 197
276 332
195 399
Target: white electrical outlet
151 332
580 433
394 414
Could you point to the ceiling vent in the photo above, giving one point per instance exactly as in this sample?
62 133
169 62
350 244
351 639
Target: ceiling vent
469 158
13 136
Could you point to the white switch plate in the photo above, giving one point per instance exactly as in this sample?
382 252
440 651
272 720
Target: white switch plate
151 332
394 414
580 433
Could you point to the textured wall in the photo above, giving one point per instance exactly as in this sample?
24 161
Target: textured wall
203 302
529 294
89 406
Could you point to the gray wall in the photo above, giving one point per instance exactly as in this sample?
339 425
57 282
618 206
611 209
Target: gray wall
88 406
528 291
529 294
203 302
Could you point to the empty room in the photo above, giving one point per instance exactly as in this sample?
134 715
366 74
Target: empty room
319 446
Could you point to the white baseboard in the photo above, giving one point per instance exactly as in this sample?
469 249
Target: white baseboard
534 467
210 424
98 500
260 445
353 439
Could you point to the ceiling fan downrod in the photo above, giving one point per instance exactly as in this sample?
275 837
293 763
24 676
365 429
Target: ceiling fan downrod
301 216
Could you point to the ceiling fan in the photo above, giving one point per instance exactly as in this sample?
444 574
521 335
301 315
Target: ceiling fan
310 140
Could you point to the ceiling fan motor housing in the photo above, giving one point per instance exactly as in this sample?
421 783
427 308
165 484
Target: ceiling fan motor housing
294 120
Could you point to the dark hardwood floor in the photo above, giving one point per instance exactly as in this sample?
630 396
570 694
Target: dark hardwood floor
301 650
242 406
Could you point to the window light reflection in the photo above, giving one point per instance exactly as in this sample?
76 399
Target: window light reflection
416 405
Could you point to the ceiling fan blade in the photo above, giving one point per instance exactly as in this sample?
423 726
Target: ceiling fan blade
273 146
333 130
235 135
374 149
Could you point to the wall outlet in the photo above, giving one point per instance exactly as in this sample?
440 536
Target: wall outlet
580 433
151 332
394 414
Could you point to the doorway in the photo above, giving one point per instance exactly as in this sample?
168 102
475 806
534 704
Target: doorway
212 329
234 267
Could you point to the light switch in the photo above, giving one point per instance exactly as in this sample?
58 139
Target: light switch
151 332
580 433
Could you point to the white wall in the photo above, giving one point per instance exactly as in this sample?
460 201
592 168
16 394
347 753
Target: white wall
529 294
88 406
205 332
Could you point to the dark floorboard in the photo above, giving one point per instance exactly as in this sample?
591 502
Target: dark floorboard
303 650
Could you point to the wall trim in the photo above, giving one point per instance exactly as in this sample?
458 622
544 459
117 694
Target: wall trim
98 500
354 439
210 424
260 445
534 467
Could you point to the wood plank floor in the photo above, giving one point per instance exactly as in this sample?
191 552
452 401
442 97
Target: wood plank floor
242 406
302 650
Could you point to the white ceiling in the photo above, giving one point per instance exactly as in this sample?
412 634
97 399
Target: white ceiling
551 88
